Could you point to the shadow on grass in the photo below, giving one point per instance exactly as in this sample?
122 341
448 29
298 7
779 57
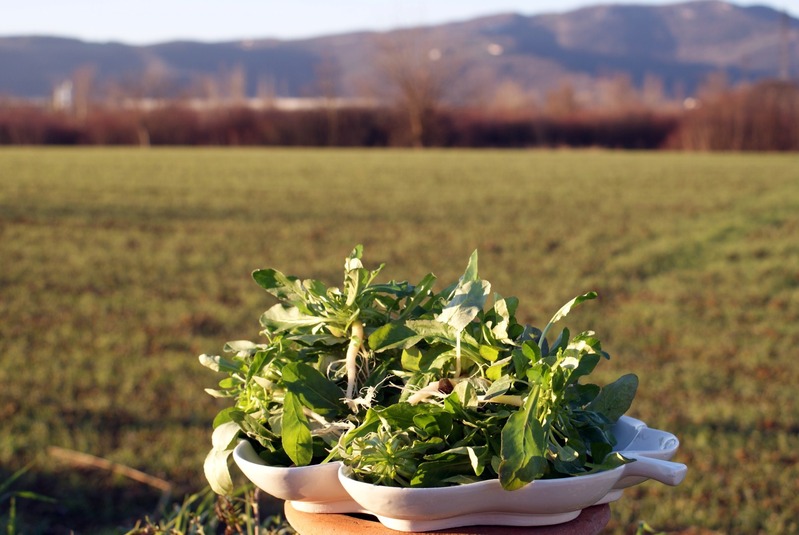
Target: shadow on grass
87 500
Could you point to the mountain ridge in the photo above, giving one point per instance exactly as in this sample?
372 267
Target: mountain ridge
679 44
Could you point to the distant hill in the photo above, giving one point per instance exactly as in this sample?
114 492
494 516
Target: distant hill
678 44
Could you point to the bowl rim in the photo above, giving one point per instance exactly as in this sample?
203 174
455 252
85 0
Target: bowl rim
245 453
345 475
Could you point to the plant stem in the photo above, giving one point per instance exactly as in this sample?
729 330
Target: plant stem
458 354
356 340
504 399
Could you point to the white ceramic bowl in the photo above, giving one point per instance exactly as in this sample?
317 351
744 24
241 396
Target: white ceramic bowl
310 489
635 440
542 502
327 488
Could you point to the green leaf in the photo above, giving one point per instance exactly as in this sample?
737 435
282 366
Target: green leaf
616 398
499 387
585 367
323 338
583 394
296 433
224 435
217 471
494 372
402 415
239 346
490 353
258 362
30 495
466 394
531 351
503 309
466 303
441 468
471 269
432 330
7 482
563 312
215 466
393 335
314 390
223 416
411 359
371 423
433 473
219 364
353 282
611 461
434 423
523 448
420 292
521 363
252 428
280 318
560 342
288 289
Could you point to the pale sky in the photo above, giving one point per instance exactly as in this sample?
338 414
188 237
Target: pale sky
154 21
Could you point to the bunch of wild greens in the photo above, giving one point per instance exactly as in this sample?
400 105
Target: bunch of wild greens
313 377
414 388
486 397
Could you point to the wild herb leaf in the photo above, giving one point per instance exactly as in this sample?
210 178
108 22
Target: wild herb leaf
523 448
393 335
296 433
467 301
219 364
562 313
253 428
420 292
280 318
615 399
286 289
313 389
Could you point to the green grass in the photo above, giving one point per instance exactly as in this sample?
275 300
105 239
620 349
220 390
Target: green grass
119 266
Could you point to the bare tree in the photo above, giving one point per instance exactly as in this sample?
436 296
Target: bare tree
562 100
511 100
237 85
419 76
653 93
328 73
82 82
617 93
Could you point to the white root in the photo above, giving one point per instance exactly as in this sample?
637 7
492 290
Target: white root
351 361
327 428
433 389
516 401
315 416
424 393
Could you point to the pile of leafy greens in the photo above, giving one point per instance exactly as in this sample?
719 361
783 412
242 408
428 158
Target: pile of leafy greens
414 388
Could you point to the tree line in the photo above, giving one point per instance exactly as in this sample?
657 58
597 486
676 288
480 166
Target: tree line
419 93
763 116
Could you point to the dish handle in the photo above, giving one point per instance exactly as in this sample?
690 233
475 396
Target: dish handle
666 472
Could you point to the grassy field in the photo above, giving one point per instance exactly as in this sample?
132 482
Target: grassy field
119 266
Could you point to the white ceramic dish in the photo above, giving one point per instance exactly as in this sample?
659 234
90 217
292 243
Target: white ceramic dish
327 489
539 503
310 489
635 440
